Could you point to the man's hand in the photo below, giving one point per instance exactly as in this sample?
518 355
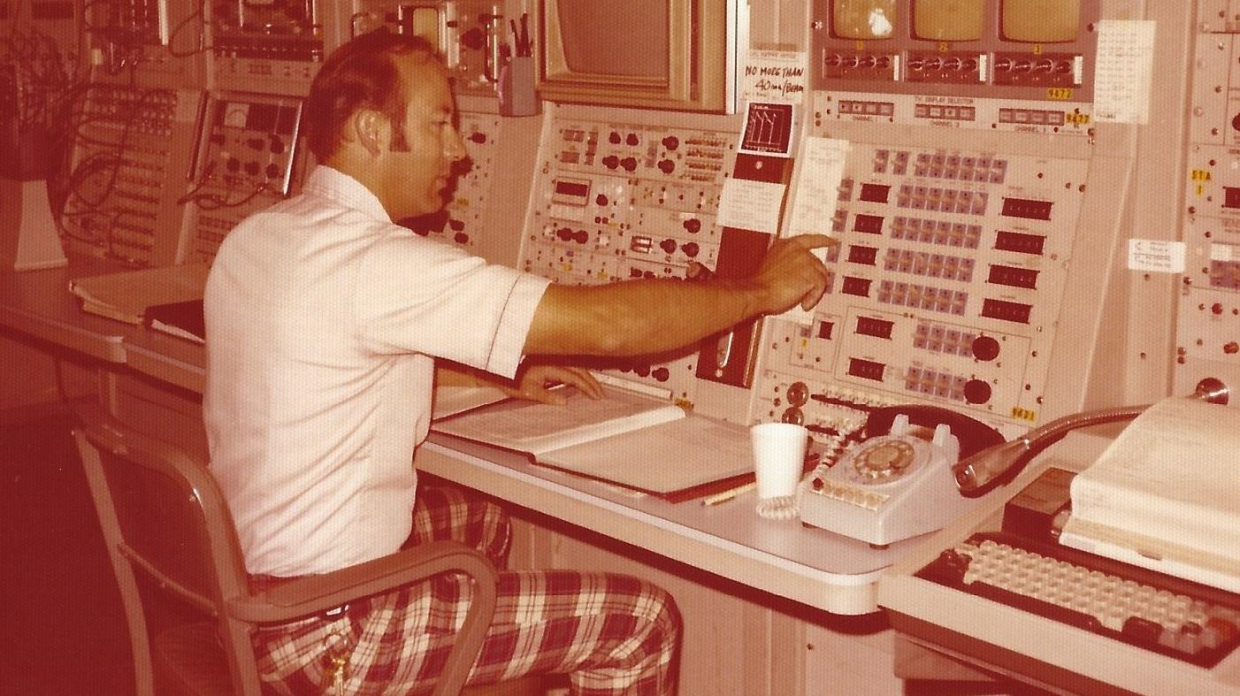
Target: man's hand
791 275
536 382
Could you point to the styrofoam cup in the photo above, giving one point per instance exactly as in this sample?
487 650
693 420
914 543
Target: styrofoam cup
779 457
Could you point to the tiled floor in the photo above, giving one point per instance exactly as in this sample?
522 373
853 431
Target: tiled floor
62 629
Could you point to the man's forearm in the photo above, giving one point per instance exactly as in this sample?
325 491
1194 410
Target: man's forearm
639 317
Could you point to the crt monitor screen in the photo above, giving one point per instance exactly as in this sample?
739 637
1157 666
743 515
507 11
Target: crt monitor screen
605 37
948 20
1041 21
863 19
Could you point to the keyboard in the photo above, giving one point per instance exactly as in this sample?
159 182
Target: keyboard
1171 616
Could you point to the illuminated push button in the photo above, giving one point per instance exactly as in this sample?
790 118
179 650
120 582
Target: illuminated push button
985 348
976 391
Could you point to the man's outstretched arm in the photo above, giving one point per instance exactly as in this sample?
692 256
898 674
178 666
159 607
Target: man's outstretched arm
650 316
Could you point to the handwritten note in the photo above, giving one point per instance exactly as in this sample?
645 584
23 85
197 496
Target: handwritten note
817 185
775 77
750 205
1124 71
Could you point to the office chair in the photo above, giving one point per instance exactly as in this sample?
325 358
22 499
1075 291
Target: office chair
164 520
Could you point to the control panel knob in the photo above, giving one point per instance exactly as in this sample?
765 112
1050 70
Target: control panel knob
601 200
976 391
667 166
793 415
632 139
613 138
798 393
985 348
668 246
661 373
1231 348
478 137
671 142
460 237
611 161
629 164
691 249
693 225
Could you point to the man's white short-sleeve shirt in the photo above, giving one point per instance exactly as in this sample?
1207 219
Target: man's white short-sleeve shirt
322 320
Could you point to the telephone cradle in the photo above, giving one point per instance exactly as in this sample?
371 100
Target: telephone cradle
895 486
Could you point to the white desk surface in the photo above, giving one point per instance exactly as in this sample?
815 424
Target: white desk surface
785 558
38 303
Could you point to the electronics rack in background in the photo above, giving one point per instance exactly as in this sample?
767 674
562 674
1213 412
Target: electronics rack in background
131 154
974 201
248 159
272 47
469 34
624 194
1208 330
146 43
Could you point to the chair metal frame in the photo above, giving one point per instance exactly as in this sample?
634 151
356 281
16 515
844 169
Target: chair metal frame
104 441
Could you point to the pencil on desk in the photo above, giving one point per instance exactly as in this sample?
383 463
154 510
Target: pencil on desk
729 494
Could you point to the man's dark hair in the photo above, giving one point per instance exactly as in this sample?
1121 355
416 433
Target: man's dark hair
360 75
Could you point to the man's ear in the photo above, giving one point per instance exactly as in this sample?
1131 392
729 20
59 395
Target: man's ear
371 130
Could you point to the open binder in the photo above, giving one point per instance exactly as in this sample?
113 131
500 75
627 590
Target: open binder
625 439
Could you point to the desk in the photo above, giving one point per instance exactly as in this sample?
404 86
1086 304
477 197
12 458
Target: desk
784 558
1001 638
754 593
38 304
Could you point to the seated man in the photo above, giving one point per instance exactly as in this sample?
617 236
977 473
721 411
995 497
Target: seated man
324 320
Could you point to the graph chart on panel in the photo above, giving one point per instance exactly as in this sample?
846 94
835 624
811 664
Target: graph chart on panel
461 221
955 250
249 146
131 156
620 200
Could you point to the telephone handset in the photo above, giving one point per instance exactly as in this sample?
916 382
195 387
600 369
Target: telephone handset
895 485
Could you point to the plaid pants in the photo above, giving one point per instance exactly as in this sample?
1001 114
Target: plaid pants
613 634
